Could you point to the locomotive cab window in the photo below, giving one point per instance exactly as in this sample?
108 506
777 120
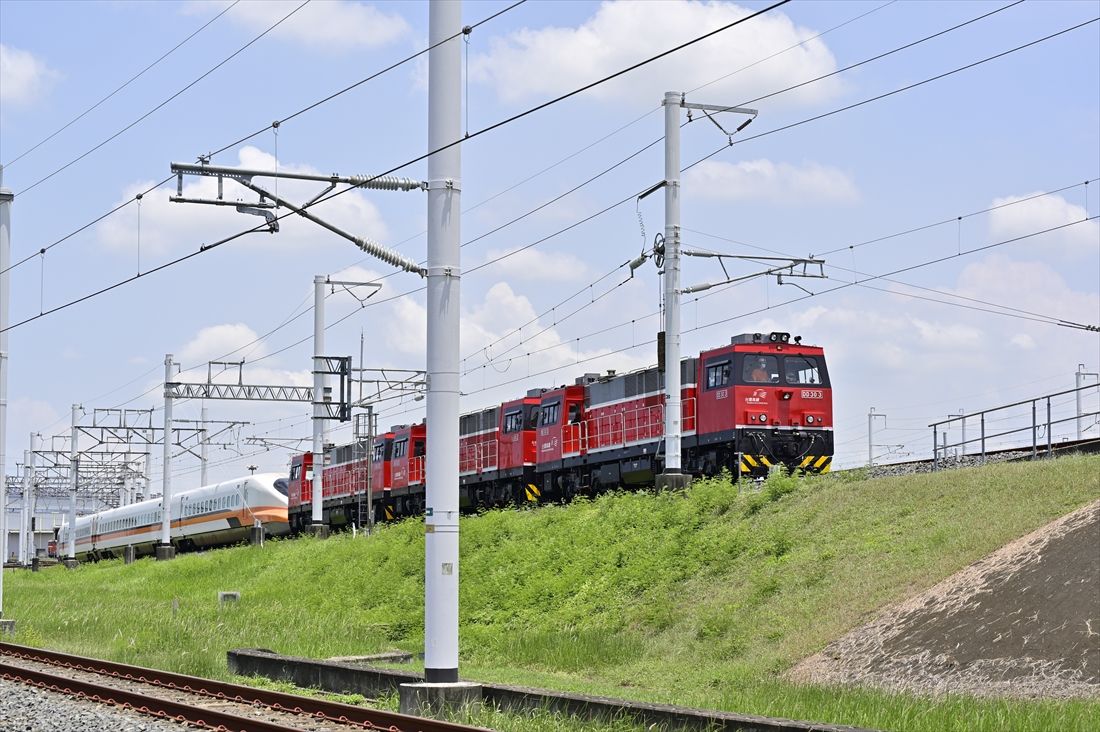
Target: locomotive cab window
718 374
418 448
513 421
296 472
802 370
400 448
760 369
550 414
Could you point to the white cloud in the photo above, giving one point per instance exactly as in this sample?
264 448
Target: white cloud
331 25
23 78
768 181
537 346
535 264
1023 341
1043 213
547 61
26 415
168 227
216 341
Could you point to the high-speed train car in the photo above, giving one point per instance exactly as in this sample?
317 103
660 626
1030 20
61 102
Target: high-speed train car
213 515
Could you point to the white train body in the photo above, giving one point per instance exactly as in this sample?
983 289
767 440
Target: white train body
213 515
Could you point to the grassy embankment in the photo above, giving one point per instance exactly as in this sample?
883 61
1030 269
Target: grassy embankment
699 598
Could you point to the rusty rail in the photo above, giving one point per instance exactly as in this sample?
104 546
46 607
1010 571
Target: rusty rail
279 701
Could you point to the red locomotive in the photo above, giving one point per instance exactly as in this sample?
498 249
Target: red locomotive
763 400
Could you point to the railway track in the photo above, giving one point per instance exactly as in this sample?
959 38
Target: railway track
203 703
1000 455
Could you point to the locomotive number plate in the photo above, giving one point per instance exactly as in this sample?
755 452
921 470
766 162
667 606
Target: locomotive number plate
813 394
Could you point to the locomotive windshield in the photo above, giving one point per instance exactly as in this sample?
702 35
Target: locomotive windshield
281 485
760 369
802 370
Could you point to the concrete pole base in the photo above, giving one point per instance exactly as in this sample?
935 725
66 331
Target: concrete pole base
256 535
435 700
70 563
165 552
7 627
34 564
129 555
672 481
318 530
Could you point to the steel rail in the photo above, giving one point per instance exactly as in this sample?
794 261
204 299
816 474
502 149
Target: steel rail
155 706
276 700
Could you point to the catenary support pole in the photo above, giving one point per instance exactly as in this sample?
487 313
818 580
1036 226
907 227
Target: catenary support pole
6 198
317 480
24 521
370 466
672 283
203 457
444 279
1079 382
74 476
165 550
28 514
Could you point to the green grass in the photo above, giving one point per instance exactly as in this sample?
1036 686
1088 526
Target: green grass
700 598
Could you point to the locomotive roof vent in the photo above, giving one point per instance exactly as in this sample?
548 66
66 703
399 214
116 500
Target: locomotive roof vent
536 392
587 379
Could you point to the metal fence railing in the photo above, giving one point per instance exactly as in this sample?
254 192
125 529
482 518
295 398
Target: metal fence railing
1009 426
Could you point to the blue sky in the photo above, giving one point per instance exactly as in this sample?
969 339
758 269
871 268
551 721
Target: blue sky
1010 128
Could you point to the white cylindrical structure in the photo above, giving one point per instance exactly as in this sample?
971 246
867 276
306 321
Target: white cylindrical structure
166 476
317 481
672 282
31 501
962 446
74 477
203 456
444 280
24 522
6 198
1078 381
870 447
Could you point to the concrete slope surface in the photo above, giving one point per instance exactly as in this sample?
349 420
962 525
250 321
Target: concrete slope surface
1022 622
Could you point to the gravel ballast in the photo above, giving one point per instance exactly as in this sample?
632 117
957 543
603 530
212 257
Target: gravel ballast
25 708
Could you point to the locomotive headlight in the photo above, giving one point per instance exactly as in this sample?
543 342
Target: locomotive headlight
809 419
763 418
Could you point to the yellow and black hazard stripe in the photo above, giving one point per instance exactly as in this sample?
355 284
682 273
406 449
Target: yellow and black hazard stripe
755 463
817 463
760 464
533 493
388 510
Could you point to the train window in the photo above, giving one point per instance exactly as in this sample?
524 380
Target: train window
418 448
760 369
718 374
549 414
801 370
532 417
574 413
280 485
400 448
513 421
296 472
